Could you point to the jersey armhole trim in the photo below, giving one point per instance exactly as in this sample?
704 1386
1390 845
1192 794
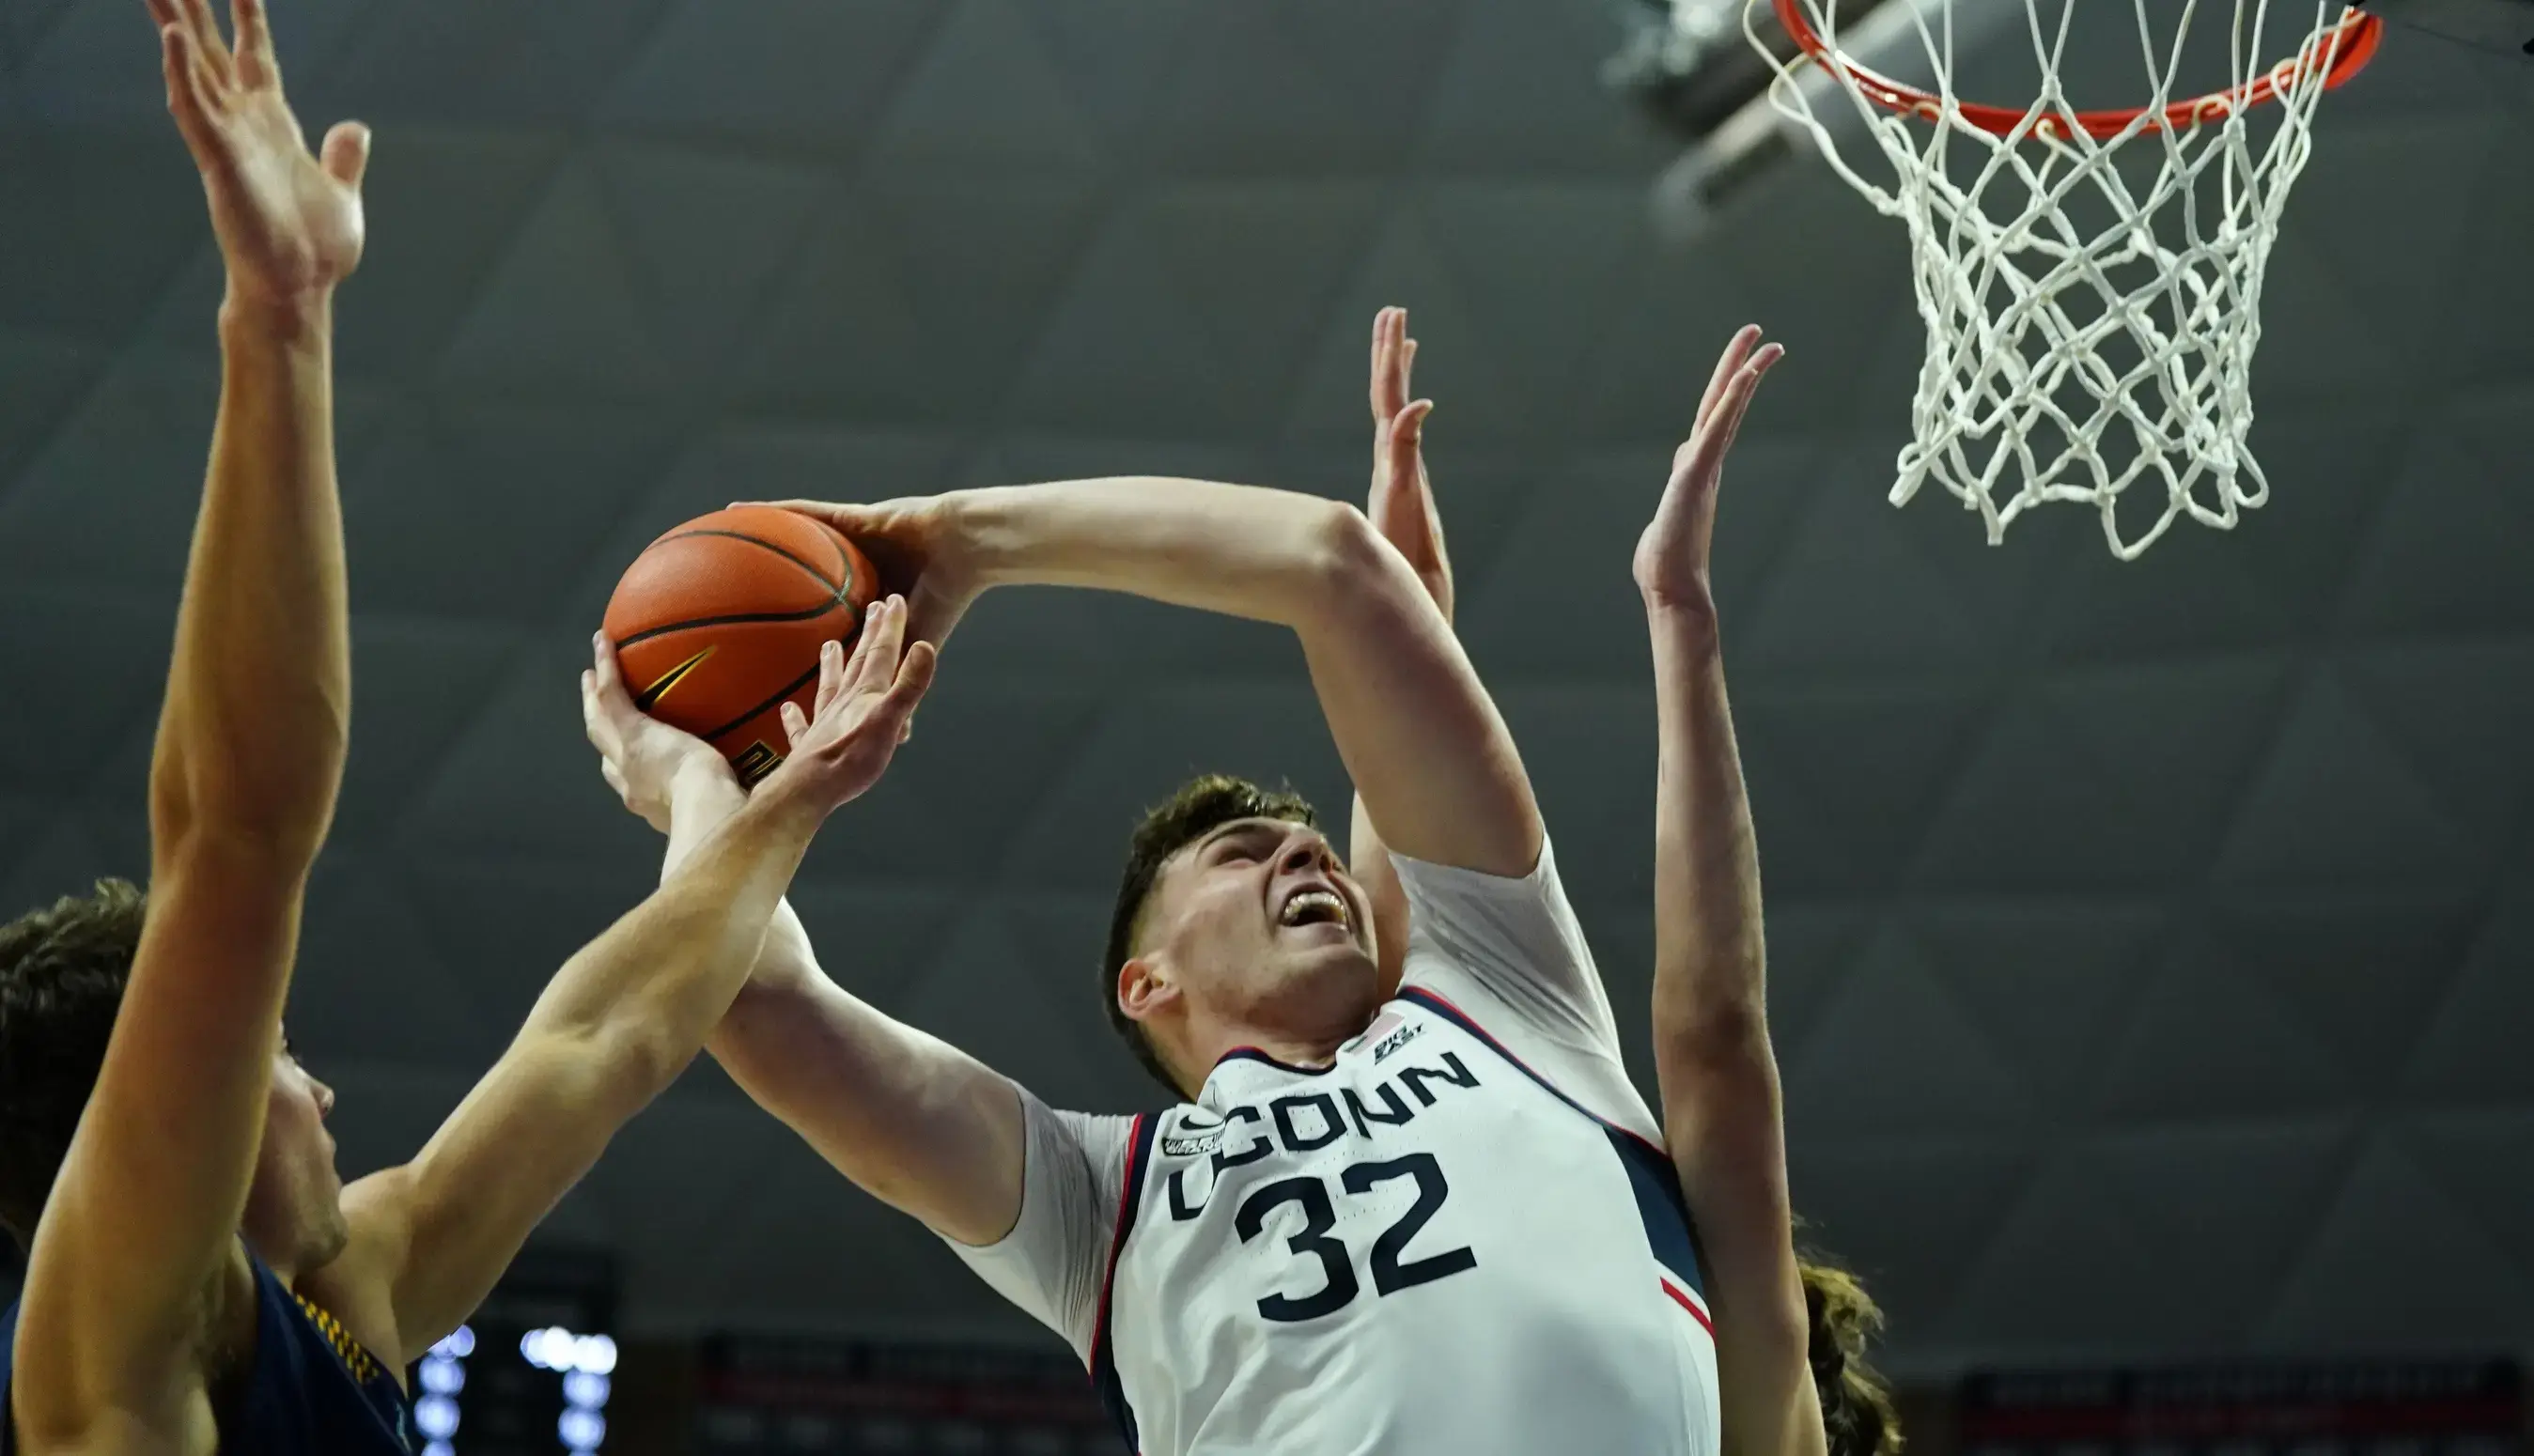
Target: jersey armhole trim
1131 1198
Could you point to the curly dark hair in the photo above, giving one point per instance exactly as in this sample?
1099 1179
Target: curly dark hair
1856 1404
62 974
1201 806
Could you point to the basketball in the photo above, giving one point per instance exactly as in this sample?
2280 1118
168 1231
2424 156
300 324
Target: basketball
718 624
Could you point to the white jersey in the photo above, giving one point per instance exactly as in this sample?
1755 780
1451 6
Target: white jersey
1461 1237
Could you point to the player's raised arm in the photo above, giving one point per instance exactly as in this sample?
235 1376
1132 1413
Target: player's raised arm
1415 727
1401 507
142 1217
624 1015
1712 1058
913 1120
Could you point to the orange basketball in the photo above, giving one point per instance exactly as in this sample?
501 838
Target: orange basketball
718 624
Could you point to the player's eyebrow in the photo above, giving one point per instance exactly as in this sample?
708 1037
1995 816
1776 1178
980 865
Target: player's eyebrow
1249 827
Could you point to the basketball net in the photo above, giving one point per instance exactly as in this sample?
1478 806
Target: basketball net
2068 359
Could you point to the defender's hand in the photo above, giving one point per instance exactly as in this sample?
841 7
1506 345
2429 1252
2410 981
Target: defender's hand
639 755
915 544
863 706
1402 504
1671 565
290 223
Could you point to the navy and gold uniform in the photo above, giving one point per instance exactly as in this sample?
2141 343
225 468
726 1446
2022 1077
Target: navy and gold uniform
307 1388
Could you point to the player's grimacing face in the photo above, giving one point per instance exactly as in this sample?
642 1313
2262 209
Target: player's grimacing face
1257 907
294 1208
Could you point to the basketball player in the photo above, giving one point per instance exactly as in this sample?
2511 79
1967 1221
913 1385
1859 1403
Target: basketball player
1434 1222
1790 1335
198 1278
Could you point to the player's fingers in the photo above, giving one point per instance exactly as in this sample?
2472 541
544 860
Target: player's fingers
207 40
347 153
842 516
831 680
1406 365
1745 386
1703 456
914 679
595 724
1379 374
1736 350
255 65
615 777
857 662
887 632
1403 508
186 102
795 723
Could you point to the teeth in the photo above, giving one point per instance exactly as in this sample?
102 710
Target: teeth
1311 900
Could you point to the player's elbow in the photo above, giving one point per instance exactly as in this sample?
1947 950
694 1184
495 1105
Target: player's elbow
219 799
1355 578
1712 1034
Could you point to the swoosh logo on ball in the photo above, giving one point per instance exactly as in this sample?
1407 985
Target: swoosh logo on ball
650 696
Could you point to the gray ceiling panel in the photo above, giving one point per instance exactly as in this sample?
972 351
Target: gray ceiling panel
2150 942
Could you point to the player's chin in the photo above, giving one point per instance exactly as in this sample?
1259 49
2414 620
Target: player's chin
1323 955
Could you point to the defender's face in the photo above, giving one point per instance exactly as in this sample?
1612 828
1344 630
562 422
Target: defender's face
294 1210
1261 925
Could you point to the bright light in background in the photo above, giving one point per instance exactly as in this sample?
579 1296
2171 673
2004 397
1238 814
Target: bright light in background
585 1362
442 1377
436 1415
559 1349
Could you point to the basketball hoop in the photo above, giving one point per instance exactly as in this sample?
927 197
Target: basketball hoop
2049 341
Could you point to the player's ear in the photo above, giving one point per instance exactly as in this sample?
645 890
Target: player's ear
1145 985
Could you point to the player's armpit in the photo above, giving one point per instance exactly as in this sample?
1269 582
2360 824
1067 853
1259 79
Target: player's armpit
914 1121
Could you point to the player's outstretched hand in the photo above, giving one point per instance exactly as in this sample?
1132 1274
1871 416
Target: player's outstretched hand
916 547
290 223
1672 565
1402 504
639 757
865 701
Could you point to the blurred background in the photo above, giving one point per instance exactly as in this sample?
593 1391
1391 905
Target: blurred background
2151 945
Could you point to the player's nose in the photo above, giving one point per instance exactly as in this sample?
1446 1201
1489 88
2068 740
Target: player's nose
1303 852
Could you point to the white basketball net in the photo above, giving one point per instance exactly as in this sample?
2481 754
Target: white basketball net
2064 365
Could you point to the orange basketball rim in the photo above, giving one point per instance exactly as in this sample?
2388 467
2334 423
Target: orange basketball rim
2343 49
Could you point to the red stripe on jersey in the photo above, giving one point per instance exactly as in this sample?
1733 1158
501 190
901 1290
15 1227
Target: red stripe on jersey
1682 1299
1126 1192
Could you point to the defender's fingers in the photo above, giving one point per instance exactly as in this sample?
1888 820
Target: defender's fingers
886 641
795 724
1405 440
914 679
831 680
256 63
1738 349
1380 367
187 101
209 44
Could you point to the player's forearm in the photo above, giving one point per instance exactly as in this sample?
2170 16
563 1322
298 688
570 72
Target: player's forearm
1242 550
251 740
1709 956
647 992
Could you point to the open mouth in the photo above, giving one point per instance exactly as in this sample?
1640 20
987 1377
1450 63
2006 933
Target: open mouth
1315 906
